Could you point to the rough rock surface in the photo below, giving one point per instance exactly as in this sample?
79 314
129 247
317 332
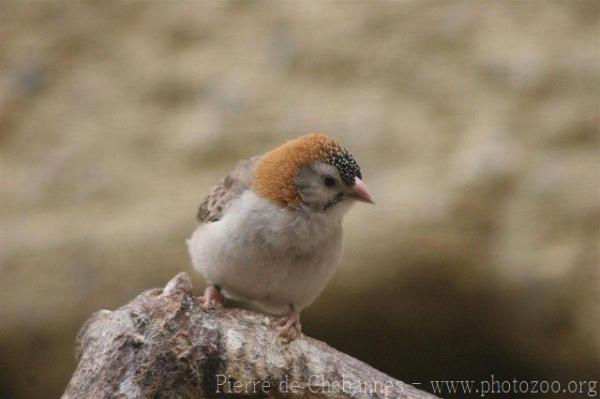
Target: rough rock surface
162 344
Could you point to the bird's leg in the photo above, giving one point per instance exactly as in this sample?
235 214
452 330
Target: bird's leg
212 298
289 326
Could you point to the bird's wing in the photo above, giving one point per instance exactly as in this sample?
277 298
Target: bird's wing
234 184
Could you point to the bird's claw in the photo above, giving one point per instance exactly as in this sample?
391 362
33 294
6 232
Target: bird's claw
289 326
212 299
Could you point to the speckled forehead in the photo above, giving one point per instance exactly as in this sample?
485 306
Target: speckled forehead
346 165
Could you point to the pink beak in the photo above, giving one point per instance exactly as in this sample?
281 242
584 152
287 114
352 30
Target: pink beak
361 192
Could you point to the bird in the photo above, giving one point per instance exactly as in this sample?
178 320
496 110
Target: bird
269 237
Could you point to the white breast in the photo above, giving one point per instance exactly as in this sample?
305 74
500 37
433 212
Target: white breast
268 255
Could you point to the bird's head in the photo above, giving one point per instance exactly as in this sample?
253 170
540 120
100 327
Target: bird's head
313 171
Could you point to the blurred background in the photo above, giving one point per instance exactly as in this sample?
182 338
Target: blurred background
475 123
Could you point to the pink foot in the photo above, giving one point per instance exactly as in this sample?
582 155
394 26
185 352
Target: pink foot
212 298
289 326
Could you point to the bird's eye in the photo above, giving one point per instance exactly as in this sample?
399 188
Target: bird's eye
329 181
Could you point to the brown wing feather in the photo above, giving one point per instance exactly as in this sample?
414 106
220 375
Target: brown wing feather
234 184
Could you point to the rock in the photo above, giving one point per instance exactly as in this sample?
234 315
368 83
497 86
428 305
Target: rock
163 343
